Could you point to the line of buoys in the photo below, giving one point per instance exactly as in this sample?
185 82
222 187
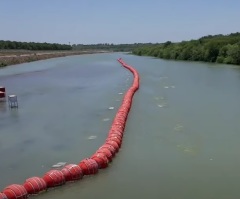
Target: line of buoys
89 166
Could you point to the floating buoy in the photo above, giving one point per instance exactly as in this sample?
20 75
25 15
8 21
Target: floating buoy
15 191
88 166
119 137
2 89
115 139
114 144
101 160
115 132
107 153
72 172
35 185
110 148
3 196
54 178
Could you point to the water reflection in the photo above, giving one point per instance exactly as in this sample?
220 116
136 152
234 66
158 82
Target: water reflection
3 106
14 113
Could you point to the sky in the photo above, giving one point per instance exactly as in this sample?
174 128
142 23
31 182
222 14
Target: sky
116 21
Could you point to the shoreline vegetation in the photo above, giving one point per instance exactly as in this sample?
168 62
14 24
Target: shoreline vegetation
212 48
14 52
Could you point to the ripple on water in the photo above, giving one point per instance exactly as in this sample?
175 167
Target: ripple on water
92 137
106 119
187 149
178 127
59 147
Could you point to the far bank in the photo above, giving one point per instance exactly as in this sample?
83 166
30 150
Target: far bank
12 57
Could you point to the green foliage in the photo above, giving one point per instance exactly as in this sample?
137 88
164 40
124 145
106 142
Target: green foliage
33 46
109 47
2 64
211 48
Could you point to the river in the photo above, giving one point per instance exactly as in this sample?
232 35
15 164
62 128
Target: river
181 139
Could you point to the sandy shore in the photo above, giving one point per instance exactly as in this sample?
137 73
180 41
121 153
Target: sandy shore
17 57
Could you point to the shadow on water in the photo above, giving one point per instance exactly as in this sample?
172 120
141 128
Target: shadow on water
3 107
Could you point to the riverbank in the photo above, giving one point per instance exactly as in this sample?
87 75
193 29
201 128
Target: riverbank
223 49
12 57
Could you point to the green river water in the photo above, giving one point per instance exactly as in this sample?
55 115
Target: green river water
181 139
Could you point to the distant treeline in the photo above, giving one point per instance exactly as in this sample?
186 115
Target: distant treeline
15 45
212 48
33 46
109 47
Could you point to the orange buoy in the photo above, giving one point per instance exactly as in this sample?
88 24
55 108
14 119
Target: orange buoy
88 166
35 185
115 132
110 148
3 196
107 153
119 123
2 89
101 160
114 144
115 139
54 178
15 191
115 136
72 172
119 127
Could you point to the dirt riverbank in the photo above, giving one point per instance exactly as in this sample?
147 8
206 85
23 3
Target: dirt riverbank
17 57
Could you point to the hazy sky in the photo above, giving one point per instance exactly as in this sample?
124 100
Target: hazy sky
116 21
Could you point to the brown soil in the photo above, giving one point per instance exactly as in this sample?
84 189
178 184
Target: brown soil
17 57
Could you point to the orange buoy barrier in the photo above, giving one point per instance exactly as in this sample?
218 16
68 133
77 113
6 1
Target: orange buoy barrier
3 196
101 159
72 172
54 178
107 153
2 89
115 133
35 185
110 148
88 166
15 191
115 139
113 144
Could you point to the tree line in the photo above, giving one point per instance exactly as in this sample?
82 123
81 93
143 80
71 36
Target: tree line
16 45
109 47
212 48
